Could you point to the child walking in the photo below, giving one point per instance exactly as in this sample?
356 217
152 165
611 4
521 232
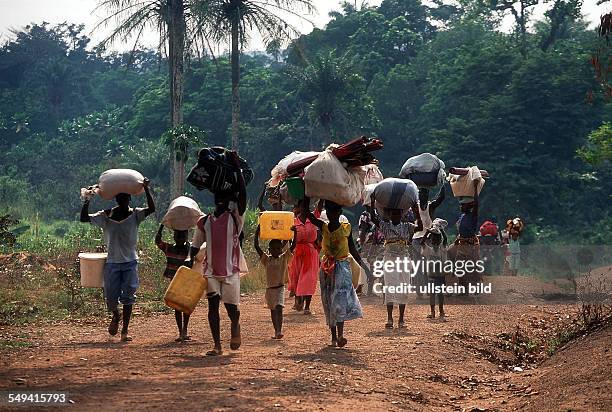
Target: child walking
176 255
224 260
276 263
397 233
340 301
434 251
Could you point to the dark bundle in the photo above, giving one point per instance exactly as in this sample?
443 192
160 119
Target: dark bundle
216 172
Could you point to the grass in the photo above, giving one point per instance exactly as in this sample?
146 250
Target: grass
42 284
14 344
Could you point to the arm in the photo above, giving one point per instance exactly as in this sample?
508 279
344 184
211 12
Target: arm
316 221
199 237
294 240
374 215
150 203
242 194
260 205
356 255
476 197
419 223
444 238
158 236
320 206
437 201
256 241
85 212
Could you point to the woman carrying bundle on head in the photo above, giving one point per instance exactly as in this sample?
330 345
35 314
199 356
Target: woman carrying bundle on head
339 299
397 233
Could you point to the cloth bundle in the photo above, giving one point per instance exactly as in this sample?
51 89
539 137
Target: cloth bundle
183 214
354 153
216 172
115 181
394 193
463 186
326 178
426 170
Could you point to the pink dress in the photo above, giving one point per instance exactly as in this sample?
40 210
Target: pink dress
304 268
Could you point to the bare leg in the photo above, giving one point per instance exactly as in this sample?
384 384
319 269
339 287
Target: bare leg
234 315
178 316
402 309
389 324
214 321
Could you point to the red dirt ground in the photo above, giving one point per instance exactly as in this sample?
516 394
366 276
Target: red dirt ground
456 365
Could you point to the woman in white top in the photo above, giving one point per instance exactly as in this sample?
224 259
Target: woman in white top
397 240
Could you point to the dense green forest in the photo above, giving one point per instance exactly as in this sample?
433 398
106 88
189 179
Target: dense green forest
443 79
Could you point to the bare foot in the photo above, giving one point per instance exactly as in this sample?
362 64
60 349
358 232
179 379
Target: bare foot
236 339
342 342
179 339
389 325
279 335
125 337
432 316
216 351
401 325
333 344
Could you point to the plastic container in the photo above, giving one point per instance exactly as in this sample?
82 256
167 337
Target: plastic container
185 290
276 225
92 269
295 187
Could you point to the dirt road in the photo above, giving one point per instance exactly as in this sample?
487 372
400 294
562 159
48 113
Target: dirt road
456 365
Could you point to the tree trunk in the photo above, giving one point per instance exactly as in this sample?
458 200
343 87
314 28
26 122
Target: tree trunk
235 82
176 48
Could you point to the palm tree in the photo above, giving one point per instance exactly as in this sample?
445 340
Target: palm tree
221 19
168 17
325 83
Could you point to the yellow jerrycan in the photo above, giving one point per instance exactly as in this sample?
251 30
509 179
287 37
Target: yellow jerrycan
276 225
185 290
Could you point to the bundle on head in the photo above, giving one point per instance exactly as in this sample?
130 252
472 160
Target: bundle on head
216 171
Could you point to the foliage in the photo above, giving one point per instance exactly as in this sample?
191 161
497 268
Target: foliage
182 138
7 238
599 145
422 77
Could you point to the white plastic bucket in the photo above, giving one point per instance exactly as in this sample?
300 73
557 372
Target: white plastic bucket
92 269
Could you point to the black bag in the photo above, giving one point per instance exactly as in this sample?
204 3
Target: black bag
216 172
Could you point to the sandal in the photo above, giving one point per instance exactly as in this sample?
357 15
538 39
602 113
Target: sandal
333 344
307 312
125 337
236 339
179 339
389 325
401 325
431 316
342 342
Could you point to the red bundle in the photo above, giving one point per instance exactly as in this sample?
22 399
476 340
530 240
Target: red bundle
354 153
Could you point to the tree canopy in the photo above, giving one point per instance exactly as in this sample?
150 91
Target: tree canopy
433 77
